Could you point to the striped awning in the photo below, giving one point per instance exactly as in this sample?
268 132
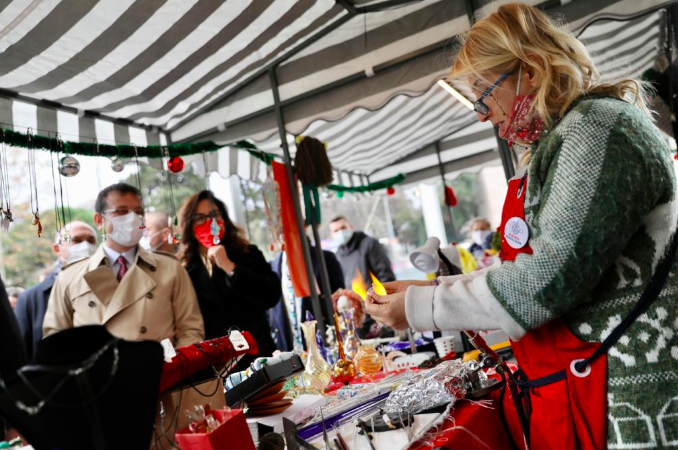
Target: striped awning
142 70
401 136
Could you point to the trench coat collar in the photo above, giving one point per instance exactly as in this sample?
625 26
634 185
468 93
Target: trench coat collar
99 258
134 286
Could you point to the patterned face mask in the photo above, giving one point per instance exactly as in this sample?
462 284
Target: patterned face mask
525 126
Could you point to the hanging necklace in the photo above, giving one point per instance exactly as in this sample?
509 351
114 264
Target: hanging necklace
33 181
68 373
172 239
138 177
59 208
215 229
5 200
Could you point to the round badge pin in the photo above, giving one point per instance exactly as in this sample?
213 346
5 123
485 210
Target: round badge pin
516 232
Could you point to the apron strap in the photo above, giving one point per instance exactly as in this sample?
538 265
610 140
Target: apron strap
649 295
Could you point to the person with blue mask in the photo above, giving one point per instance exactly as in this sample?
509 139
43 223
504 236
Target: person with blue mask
32 303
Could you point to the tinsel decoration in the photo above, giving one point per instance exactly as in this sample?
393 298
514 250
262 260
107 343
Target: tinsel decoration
18 139
450 198
379 185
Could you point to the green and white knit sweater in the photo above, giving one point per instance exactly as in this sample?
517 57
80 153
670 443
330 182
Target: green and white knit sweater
602 207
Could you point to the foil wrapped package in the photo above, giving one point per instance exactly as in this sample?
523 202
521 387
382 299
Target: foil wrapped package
441 385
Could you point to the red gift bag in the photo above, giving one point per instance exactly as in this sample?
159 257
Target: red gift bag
232 434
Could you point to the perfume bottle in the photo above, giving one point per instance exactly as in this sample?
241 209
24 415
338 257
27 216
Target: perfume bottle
318 373
351 341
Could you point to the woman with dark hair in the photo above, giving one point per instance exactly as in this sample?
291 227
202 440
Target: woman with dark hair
234 283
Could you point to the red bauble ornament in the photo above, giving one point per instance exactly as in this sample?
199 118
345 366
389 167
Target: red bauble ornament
675 157
450 198
390 190
175 164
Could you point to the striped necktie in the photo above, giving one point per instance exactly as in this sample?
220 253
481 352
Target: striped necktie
123 267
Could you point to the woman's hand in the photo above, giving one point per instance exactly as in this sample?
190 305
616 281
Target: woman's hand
356 303
218 256
393 287
388 309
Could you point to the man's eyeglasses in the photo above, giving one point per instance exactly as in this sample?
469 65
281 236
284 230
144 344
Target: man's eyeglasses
123 211
199 219
479 106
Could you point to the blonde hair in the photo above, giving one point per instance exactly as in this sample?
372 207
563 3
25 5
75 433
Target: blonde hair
513 35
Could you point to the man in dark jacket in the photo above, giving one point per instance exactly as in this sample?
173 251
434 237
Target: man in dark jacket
360 254
280 317
32 303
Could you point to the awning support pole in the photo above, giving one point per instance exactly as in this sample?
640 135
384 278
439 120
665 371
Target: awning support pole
505 155
305 246
448 208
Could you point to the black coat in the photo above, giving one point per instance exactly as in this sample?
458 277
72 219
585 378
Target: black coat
12 353
364 254
241 300
30 312
278 316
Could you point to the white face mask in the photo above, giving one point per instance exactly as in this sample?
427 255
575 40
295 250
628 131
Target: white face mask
342 236
127 229
147 239
80 251
479 236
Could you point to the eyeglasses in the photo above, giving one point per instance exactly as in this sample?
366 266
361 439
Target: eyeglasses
79 239
200 219
479 106
123 211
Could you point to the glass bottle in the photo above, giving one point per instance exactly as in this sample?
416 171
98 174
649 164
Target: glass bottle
351 341
318 373
343 370
368 361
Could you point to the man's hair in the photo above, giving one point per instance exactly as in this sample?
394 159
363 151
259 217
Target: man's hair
14 291
58 235
156 217
122 188
338 218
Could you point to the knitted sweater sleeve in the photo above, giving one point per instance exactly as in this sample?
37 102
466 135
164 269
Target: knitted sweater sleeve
590 188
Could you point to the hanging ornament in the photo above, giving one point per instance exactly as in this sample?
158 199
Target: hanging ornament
450 198
69 166
175 164
390 190
33 181
5 201
118 165
675 157
272 203
60 207
214 230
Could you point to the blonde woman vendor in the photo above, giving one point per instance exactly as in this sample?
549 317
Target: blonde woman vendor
587 233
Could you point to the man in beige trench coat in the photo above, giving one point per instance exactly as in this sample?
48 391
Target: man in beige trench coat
135 294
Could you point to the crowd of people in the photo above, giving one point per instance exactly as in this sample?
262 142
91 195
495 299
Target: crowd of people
143 284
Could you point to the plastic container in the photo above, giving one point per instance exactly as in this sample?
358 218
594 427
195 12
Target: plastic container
444 345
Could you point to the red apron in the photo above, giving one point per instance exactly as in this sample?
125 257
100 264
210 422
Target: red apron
570 414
